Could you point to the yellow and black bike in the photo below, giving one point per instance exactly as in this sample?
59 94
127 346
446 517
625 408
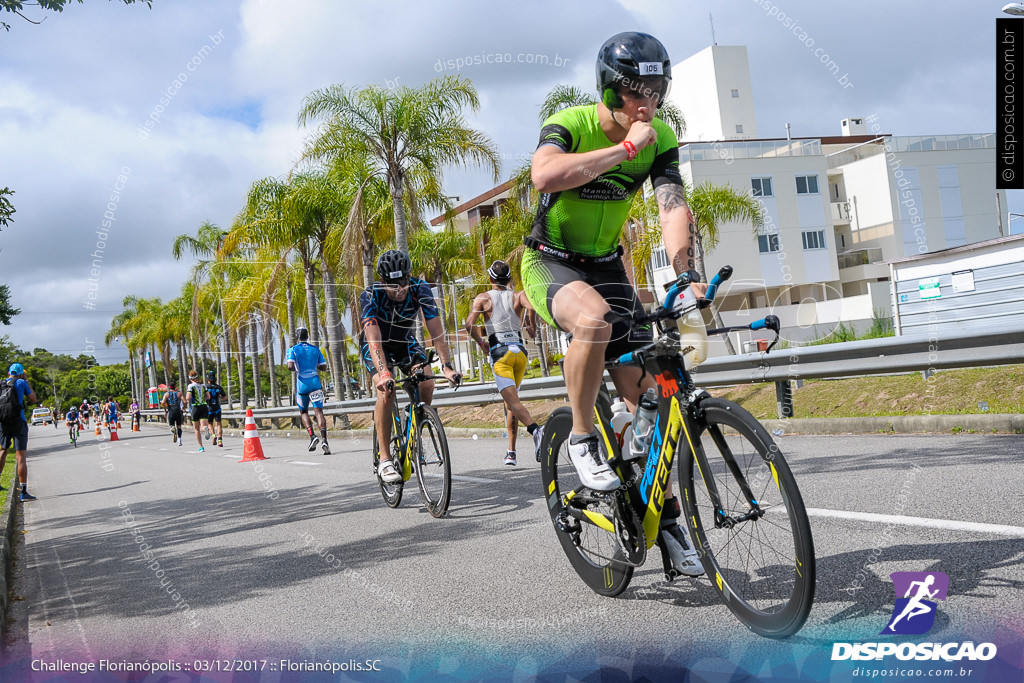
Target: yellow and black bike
741 503
418 444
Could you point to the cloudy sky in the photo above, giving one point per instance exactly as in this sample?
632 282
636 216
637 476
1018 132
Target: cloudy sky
77 90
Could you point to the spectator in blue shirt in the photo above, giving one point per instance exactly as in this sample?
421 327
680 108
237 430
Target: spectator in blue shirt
17 432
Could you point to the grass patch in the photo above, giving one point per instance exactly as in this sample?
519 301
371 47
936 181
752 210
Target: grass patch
948 392
7 476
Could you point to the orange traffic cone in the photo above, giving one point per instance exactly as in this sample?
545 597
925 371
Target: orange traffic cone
253 449
113 432
135 425
99 432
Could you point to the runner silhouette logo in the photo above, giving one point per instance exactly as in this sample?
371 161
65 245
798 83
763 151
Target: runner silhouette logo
916 593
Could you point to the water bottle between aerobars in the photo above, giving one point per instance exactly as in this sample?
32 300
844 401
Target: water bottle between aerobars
693 336
643 424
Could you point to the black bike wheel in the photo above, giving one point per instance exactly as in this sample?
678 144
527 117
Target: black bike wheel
597 557
763 568
392 493
433 464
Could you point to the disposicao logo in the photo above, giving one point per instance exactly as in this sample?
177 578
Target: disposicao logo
914 614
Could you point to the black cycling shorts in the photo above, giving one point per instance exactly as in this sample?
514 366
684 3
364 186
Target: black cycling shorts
544 275
200 412
174 417
404 354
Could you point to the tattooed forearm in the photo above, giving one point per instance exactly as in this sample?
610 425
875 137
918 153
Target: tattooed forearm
670 197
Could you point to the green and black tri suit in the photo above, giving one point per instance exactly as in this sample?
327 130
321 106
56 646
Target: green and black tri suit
576 232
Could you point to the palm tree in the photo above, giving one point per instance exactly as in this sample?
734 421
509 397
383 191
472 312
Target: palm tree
407 134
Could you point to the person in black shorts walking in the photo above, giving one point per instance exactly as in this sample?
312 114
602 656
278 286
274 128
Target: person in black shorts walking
172 404
13 426
215 392
196 397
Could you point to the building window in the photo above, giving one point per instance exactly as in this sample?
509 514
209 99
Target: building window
761 187
659 258
735 92
769 243
813 239
739 127
807 184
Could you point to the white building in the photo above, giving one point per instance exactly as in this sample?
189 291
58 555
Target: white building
713 90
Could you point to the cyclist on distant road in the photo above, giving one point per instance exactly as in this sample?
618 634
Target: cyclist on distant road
307 362
74 423
502 309
388 311
590 162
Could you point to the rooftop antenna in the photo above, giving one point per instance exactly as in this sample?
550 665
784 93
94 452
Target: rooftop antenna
712 20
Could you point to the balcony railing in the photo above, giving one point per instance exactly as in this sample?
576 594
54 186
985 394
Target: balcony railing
859 257
840 212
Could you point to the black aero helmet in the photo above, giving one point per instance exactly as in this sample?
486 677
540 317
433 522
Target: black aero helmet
500 272
624 59
393 265
301 333
211 376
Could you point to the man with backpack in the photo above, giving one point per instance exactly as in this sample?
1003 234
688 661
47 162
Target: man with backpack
13 428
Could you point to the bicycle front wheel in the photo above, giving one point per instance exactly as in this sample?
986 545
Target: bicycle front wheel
761 563
593 552
433 466
392 493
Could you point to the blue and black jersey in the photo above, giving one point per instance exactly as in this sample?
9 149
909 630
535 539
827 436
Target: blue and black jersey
396 319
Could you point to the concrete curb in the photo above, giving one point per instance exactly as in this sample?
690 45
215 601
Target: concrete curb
1010 423
7 518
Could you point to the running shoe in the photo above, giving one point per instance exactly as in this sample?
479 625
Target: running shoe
206 433
591 467
538 436
202 450
510 458
327 449
25 495
314 441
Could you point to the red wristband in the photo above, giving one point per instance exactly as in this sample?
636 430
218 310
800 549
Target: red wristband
630 150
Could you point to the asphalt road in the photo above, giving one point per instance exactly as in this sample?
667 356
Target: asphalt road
141 549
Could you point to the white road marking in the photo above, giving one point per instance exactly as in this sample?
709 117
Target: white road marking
462 477
302 462
952 525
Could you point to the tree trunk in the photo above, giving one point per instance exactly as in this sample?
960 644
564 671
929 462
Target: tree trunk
165 356
335 334
311 309
268 349
257 388
152 364
395 185
226 337
181 360
240 362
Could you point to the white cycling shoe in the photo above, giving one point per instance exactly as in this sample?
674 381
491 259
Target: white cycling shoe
387 472
591 466
685 560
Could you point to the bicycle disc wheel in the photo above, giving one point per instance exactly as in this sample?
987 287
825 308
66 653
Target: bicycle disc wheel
763 567
392 493
592 551
433 466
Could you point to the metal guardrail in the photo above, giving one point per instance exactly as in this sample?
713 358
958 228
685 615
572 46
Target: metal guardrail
866 357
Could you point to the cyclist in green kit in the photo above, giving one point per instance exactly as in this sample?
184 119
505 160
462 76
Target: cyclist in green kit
589 163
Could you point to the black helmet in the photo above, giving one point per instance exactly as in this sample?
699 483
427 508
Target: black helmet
211 376
624 59
393 265
500 272
301 333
